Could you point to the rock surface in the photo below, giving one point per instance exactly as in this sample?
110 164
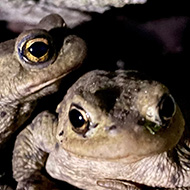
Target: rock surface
74 12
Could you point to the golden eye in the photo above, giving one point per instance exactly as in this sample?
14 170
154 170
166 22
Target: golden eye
79 119
36 48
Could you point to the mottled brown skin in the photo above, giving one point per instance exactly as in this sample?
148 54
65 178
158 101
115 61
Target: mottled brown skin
31 67
114 131
22 82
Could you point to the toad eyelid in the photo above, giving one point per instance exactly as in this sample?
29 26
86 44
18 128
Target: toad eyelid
78 107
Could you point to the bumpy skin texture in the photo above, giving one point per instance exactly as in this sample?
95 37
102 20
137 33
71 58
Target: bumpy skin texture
31 67
114 130
22 81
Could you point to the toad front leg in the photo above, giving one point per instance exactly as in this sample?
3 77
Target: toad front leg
31 150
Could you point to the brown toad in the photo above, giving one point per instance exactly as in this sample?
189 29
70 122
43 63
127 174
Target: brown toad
30 68
115 130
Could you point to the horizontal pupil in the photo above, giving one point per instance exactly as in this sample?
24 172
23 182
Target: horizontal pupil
38 49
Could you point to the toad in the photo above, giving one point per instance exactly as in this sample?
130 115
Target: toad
114 130
31 67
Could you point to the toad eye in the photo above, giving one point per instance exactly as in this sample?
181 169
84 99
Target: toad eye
79 120
36 49
167 107
160 116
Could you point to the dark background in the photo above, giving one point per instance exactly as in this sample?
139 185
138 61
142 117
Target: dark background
153 38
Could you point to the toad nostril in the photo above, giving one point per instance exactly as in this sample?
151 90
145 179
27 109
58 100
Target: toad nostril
61 133
111 128
167 107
